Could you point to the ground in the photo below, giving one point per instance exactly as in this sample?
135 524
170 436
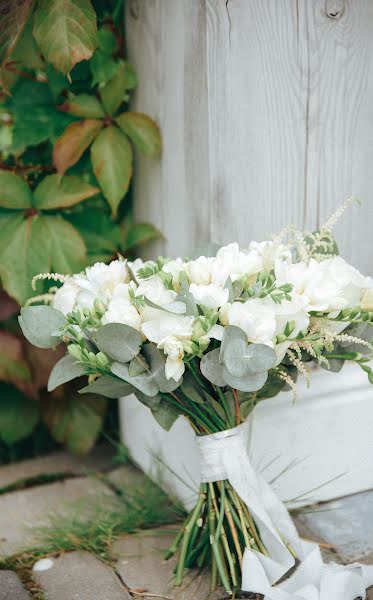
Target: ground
105 560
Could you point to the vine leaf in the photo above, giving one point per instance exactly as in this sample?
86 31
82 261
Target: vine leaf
111 155
14 17
73 142
112 94
13 364
143 132
54 192
18 414
83 105
67 250
66 32
74 421
23 238
14 191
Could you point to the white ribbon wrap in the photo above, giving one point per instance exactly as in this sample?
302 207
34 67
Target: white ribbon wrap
224 456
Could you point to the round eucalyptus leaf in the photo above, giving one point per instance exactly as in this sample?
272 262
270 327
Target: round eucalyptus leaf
120 342
249 383
157 361
150 401
144 382
108 386
212 369
40 325
242 359
63 371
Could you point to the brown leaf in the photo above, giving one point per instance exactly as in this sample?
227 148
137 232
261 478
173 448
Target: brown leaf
73 142
8 306
13 364
13 18
41 362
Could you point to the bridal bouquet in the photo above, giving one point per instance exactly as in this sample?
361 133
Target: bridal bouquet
208 338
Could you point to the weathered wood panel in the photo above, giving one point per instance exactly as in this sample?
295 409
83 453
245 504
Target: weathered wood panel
266 109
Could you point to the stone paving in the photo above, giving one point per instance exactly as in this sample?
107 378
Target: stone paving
137 571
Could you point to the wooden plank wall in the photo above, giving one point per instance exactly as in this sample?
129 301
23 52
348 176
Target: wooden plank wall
266 110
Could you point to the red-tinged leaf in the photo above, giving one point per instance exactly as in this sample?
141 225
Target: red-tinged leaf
54 192
66 31
13 364
8 306
73 142
143 132
42 361
111 155
83 105
13 18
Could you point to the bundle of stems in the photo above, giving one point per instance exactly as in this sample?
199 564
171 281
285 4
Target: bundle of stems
220 527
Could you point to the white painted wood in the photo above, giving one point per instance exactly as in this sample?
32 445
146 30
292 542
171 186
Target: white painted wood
325 438
266 110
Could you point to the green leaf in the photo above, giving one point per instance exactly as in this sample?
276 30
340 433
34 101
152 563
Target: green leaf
83 105
54 192
66 369
14 17
120 342
111 155
35 116
143 131
114 91
67 251
73 142
188 387
144 382
250 382
211 368
18 414
13 366
40 325
108 386
65 31
26 52
165 415
103 68
106 40
140 234
241 358
157 361
24 239
14 191
100 233
75 421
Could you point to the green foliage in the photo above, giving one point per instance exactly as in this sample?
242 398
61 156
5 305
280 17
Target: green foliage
65 168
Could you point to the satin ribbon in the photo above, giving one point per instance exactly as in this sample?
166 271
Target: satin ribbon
224 456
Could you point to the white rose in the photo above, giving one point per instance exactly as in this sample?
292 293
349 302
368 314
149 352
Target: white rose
65 297
291 310
100 281
232 262
367 300
167 324
256 319
211 295
199 270
154 290
120 309
174 267
270 252
327 286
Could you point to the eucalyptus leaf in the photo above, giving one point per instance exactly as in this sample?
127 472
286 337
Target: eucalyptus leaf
248 383
157 361
189 389
39 325
246 408
108 386
229 286
211 368
149 401
241 358
188 299
176 308
63 371
165 415
136 367
216 406
144 382
120 342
